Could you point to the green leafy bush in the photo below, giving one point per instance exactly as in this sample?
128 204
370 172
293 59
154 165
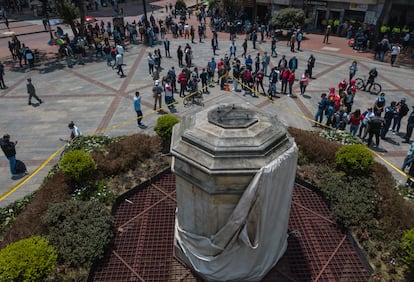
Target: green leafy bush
353 200
80 231
30 259
354 159
289 17
164 127
407 246
180 5
77 165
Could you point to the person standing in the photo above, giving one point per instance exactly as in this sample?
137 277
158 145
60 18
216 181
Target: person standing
379 104
327 33
409 157
203 78
137 108
214 45
244 45
293 63
167 47
291 80
254 39
32 92
273 47
299 38
352 70
180 55
304 81
402 111
157 93
292 42
285 76
375 124
151 63
322 106
2 85
410 127
354 121
394 53
9 150
233 49
265 62
390 112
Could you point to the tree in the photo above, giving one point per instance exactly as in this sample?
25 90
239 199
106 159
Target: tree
289 17
383 17
70 12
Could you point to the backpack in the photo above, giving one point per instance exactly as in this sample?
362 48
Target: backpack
20 167
300 36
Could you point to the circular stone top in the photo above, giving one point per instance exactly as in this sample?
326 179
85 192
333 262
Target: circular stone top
231 116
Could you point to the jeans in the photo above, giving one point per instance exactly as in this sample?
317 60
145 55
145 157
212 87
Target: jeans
273 89
397 124
353 129
319 116
12 163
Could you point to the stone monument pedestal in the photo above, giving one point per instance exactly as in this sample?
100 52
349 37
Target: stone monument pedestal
235 170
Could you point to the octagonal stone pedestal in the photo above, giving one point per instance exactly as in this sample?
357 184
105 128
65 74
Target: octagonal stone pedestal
216 155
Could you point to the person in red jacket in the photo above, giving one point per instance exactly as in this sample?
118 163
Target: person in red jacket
182 79
335 98
291 80
285 76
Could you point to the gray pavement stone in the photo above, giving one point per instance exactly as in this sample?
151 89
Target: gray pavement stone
98 100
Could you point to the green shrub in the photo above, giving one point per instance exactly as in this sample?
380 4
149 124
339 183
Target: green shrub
314 147
354 159
30 259
180 5
407 246
77 165
80 231
164 127
353 200
289 17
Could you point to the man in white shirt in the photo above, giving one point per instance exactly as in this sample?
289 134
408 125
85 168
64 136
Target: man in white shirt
394 53
119 62
120 49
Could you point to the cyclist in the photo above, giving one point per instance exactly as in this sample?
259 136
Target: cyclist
372 75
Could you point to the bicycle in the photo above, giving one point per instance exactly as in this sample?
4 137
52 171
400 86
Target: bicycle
361 84
191 99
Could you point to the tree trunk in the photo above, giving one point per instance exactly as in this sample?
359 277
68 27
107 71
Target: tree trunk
383 17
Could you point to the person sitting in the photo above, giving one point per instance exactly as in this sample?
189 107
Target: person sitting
75 132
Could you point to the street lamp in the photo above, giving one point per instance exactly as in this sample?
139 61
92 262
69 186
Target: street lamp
145 12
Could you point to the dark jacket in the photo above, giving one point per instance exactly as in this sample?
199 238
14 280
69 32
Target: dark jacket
8 148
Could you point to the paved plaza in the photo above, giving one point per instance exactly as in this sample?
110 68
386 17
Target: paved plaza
99 101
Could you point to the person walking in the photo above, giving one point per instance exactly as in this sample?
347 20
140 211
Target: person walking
273 47
9 149
119 61
32 92
180 55
137 108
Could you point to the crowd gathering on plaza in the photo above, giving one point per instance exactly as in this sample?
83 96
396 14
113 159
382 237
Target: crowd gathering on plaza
247 71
